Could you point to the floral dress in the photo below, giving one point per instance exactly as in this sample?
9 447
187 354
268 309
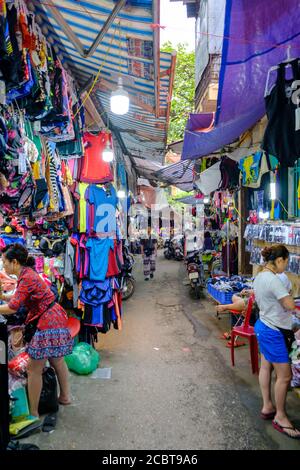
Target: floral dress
52 338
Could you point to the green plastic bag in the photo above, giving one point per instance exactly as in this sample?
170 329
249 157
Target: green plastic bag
83 360
20 408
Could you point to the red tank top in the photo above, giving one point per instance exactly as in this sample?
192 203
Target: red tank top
94 169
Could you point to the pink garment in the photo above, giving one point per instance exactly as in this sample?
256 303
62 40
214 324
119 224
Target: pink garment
39 264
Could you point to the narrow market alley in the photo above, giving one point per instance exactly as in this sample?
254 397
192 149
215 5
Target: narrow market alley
172 385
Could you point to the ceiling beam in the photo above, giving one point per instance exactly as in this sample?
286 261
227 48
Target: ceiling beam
119 5
65 27
72 36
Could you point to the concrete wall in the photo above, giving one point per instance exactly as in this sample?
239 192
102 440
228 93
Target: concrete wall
209 32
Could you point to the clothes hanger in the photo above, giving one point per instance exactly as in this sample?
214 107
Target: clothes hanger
286 62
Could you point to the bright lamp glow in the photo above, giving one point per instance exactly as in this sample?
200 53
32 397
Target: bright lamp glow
119 99
206 200
121 194
108 154
264 215
273 191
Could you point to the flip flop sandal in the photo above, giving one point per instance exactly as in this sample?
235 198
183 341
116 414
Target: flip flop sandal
49 423
267 416
281 429
226 336
28 430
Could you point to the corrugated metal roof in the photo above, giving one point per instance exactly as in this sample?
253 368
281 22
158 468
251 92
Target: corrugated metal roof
180 175
130 47
190 200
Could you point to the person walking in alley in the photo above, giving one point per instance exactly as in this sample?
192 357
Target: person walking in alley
275 336
149 254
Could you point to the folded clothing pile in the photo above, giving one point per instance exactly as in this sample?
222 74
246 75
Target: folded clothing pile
231 284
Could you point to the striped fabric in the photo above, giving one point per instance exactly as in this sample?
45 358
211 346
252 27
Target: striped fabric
179 174
128 49
52 175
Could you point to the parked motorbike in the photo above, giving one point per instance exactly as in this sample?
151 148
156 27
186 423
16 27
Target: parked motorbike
178 249
126 279
173 249
169 252
196 272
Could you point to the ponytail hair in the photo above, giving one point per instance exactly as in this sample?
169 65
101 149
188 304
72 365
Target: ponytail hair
271 253
20 253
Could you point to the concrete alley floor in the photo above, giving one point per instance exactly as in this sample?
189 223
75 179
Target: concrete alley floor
172 385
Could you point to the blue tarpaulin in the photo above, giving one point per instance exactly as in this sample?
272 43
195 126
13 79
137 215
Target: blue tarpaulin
257 34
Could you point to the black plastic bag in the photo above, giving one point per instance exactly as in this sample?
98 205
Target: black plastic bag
48 400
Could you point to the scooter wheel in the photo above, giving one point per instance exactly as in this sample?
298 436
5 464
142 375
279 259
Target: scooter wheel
128 288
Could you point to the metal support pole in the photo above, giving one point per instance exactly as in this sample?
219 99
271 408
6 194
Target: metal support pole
228 247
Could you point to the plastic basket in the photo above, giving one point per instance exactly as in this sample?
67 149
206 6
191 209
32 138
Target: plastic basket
225 297
220 296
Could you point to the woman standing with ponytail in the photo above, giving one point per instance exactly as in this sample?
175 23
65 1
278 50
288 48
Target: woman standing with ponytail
46 323
274 335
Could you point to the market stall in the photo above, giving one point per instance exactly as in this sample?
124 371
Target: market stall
58 193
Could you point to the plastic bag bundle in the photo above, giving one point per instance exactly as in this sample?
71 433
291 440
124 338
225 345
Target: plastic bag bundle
20 408
83 360
48 399
18 365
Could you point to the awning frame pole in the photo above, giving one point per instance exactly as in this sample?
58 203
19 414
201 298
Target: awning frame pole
156 55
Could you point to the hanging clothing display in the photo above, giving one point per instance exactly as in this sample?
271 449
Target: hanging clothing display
282 135
56 192
94 169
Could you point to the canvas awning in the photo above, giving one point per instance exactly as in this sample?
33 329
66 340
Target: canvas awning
257 35
112 38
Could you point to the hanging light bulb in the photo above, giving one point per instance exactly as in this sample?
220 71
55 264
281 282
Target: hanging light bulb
119 99
108 154
273 191
121 194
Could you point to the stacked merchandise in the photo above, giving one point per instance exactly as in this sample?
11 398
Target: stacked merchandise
56 192
223 288
287 234
38 114
295 354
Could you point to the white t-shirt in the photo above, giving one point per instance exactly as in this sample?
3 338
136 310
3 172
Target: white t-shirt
268 290
285 280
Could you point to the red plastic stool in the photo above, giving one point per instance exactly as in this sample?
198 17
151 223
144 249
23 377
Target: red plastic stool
247 331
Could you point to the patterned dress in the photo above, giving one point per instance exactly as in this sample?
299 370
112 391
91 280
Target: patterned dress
52 338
